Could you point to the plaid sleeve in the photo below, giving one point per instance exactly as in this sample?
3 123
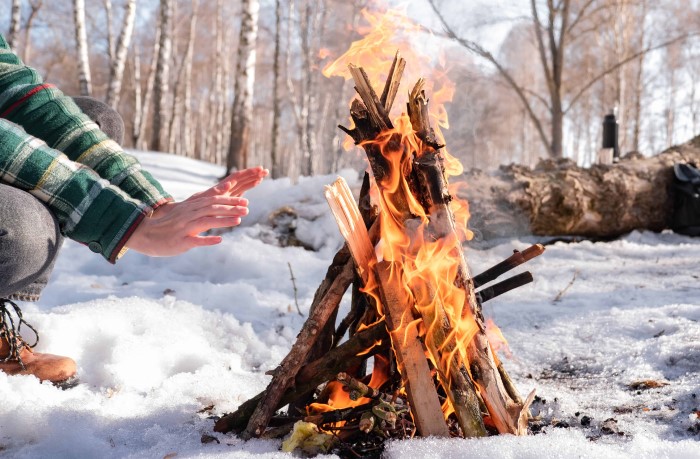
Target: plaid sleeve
88 208
46 113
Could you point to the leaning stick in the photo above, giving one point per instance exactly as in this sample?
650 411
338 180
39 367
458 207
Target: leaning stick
287 370
515 260
365 342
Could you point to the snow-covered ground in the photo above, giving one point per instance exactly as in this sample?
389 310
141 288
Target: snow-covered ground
159 341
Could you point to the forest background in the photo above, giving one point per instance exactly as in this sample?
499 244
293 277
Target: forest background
240 82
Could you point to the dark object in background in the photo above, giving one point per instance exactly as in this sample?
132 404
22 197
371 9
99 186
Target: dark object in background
686 202
610 134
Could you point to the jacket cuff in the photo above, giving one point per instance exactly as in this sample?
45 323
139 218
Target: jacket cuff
120 249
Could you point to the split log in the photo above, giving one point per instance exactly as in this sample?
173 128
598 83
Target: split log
561 198
410 355
409 351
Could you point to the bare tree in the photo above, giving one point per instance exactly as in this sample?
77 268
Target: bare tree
242 111
110 30
138 99
15 18
560 28
84 78
187 142
276 101
162 76
116 73
217 91
34 7
142 115
179 144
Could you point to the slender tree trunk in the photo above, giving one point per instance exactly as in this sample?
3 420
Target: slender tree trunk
84 78
110 30
638 83
138 99
35 6
177 144
116 74
162 77
276 102
150 82
242 111
187 143
15 19
216 95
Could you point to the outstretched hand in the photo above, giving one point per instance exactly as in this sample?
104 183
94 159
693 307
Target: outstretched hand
176 227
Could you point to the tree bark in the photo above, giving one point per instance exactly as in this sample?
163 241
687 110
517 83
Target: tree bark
84 78
110 30
242 113
116 71
560 198
15 19
162 77
140 119
35 6
276 100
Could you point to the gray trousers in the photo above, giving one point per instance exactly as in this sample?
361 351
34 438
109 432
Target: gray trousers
30 236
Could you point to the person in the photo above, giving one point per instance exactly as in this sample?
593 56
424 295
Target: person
61 175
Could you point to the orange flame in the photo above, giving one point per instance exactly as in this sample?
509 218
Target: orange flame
428 263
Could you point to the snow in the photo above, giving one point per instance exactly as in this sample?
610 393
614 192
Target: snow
158 341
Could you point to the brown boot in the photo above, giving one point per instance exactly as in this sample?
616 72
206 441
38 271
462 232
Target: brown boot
20 359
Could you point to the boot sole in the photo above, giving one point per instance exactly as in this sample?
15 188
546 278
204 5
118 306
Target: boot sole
66 384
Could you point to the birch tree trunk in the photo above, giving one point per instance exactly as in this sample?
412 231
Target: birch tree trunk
35 6
138 99
187 143
178 120
116 73
216 98
110 30
162 77
150 81
276 102
15 19
84 78
242 111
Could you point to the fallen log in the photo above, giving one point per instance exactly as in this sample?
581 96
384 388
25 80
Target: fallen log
557 197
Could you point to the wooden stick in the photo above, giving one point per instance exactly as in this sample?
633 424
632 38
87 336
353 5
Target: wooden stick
391 87
515 260
366 342
287 370
409 350
410 356
358 389
429 169
502 287
363 86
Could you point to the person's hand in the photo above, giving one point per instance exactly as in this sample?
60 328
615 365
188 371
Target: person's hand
175 227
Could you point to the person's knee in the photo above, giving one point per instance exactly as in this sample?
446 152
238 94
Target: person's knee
109 121
29 233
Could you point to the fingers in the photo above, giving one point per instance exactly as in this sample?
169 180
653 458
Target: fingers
203 224
203 241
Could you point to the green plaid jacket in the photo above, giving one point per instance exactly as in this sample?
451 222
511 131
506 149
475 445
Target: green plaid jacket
98 193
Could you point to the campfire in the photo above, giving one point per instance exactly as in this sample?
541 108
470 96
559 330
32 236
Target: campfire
419 358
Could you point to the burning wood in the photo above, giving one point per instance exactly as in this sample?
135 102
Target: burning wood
436 361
